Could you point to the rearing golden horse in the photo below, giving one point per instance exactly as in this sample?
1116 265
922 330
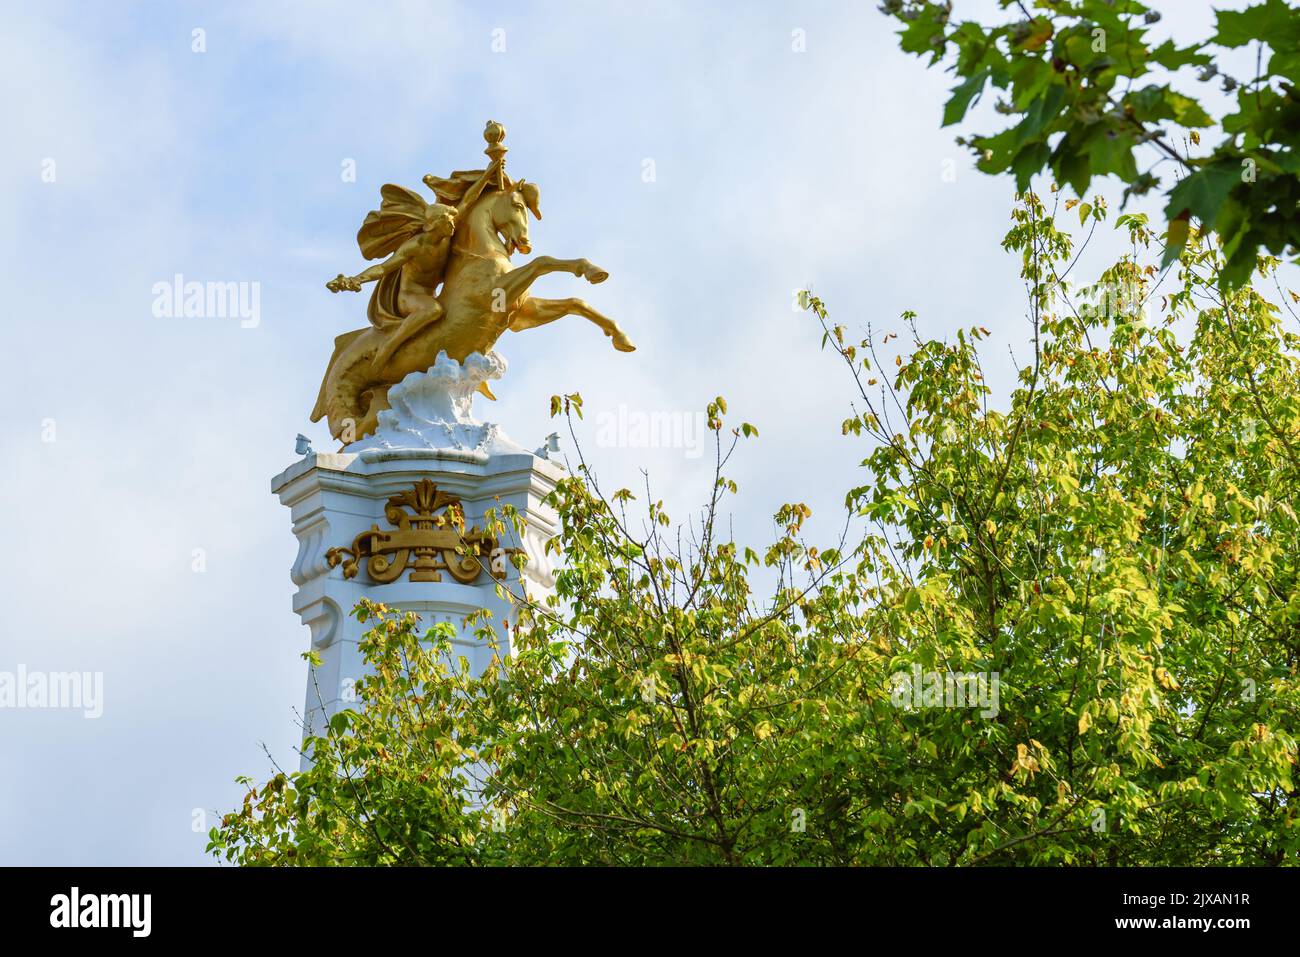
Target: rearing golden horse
463 242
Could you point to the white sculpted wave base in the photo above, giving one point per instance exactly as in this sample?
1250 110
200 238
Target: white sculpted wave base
433 410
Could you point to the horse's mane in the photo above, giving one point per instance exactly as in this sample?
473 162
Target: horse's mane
452 189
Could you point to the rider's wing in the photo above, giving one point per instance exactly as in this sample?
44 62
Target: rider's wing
399 217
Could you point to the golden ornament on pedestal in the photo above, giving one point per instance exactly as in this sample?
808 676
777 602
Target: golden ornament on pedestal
428 540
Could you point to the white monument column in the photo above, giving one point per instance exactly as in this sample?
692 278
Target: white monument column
366 523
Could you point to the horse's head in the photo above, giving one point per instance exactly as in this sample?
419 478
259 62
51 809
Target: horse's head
509 209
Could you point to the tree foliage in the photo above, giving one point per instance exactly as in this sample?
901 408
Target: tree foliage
1114 542
1089 93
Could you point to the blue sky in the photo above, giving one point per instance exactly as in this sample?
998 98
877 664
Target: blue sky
774 169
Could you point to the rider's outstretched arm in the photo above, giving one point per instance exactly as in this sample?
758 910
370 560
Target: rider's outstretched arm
395 261
378 270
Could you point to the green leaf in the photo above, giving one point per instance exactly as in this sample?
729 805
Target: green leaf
1070 161
1029 161
1111 153
1151 104
1203 192
1274 22
919 35
1173 57
963 96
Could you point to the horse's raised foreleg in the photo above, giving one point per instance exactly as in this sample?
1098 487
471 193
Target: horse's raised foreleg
516 282
538 312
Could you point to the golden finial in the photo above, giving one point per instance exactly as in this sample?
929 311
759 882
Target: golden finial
494 133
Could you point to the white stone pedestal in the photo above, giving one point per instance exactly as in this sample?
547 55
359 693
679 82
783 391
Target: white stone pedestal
335 497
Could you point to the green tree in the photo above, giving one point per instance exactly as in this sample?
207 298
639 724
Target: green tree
389 780
1112 546
1088 93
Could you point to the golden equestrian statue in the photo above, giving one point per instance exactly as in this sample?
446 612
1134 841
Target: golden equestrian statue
463 244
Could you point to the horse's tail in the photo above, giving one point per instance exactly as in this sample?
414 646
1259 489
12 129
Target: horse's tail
338 398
